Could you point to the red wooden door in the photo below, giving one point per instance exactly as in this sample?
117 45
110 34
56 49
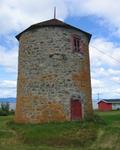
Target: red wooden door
76 109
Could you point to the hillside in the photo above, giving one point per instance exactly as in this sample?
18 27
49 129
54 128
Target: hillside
86 135
9 99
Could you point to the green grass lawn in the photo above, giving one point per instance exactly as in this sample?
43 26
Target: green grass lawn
101 134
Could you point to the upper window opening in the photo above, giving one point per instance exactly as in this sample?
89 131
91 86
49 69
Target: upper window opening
77 44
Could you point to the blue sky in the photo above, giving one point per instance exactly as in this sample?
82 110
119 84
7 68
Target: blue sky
100 18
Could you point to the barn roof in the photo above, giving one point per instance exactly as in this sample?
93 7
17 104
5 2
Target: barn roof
52 22
110 100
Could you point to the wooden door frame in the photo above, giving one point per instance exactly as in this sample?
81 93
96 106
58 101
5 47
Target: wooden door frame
76 99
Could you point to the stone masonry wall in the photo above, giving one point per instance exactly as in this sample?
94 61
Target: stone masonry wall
50 74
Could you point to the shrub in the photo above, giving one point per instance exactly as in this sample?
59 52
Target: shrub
3 113
4 110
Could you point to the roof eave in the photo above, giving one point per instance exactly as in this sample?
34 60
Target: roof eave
104 101
109 102
65 26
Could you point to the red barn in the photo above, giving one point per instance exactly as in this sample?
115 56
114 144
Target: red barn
109 104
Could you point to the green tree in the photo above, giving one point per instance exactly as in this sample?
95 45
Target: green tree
4 111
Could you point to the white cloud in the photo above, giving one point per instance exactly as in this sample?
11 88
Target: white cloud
116 79
96 83
8 88
8 58
104 52
113 72
117 90
107 11
16 15
8 84
7 93
105 70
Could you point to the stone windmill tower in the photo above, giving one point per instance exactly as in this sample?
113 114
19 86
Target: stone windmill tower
53 73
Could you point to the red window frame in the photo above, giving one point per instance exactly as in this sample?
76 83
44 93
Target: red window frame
77 44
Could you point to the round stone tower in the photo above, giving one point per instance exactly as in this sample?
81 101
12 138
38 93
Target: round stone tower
53 73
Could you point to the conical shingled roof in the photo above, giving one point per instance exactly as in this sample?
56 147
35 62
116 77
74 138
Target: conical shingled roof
52 22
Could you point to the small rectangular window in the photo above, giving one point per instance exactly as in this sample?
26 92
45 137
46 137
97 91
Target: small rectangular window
77 44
